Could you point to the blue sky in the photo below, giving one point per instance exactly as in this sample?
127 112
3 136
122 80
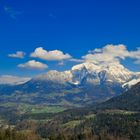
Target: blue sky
71 26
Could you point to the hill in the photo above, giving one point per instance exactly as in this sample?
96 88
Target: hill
130 100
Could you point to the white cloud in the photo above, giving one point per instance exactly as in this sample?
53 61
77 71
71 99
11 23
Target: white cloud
32 64
18 54
76 60
136 55
55 55
13 80
112 53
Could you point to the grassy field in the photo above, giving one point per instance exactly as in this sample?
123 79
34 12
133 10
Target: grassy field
48 109
29 108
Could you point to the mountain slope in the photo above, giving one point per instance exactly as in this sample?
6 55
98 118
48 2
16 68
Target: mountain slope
130 100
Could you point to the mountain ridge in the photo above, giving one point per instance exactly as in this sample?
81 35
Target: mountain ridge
92 73
84 83
129 100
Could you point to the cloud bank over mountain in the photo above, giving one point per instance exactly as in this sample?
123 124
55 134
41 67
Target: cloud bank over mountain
107 54
112 53
13 80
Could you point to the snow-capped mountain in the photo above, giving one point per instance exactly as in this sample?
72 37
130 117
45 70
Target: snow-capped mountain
84 83
89 73
115 73
131 83
55 76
